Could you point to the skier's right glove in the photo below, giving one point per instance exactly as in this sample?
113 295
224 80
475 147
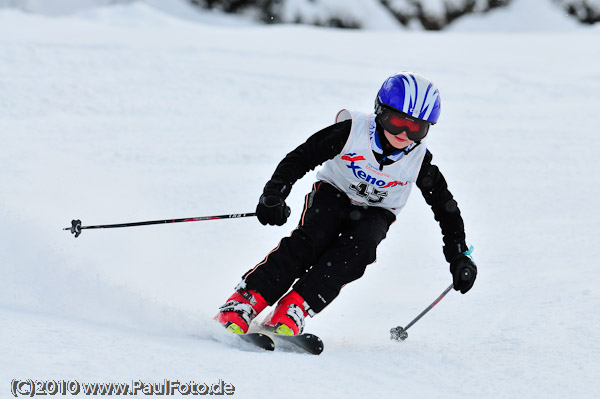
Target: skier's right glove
464 272
271 208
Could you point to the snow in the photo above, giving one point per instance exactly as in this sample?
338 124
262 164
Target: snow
128 114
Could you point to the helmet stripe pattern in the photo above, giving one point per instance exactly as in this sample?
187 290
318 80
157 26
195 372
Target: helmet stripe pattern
418 104
429 100
413 94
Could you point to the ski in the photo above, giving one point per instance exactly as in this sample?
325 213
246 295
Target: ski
254 341
270 341
303 343
259 340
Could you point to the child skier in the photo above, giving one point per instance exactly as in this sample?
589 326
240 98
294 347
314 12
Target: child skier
371 162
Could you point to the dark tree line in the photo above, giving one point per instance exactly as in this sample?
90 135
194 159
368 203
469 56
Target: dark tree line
452 11
587 12
406 12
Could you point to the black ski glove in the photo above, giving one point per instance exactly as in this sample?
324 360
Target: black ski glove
271 209
464 272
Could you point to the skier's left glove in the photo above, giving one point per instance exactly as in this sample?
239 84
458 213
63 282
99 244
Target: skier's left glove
464 272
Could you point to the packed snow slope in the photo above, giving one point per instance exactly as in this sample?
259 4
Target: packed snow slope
127 114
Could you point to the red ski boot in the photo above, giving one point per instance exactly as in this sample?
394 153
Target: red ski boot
288 316
239 310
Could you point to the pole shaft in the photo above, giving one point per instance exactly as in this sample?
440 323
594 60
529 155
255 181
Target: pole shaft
165 221
429 307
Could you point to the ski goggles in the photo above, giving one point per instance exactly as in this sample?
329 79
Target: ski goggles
396 123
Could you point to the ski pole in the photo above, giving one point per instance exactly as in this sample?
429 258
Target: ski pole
400 334
76 226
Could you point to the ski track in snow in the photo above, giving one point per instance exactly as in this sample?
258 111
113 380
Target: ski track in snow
113 122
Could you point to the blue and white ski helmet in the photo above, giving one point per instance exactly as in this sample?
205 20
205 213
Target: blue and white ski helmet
412 94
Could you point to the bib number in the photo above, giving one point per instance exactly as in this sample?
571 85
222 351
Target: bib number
370 193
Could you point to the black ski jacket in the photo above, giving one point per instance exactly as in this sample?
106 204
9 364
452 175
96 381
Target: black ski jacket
329 142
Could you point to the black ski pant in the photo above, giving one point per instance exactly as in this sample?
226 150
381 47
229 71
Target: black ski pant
332 246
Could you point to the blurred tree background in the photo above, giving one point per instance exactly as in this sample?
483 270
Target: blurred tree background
351 14
418 14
